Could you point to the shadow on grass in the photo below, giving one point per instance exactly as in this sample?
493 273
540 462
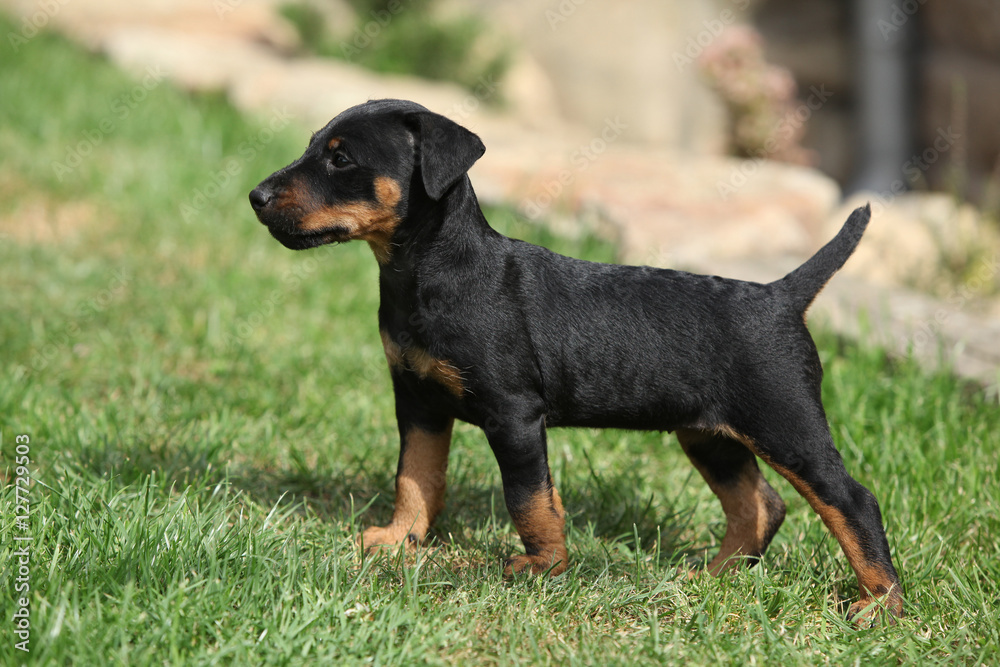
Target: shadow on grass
606 510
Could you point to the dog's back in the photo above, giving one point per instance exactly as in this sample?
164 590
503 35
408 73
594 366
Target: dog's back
634 341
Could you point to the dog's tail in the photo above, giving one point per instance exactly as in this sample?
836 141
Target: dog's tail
804 283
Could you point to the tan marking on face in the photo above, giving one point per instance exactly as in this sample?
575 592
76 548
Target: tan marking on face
421 362
387 191
333 143
365 221
420 485
540 523
297 197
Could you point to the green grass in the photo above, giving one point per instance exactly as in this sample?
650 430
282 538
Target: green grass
211 425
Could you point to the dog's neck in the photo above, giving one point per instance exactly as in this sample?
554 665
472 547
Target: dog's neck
451 229
451 232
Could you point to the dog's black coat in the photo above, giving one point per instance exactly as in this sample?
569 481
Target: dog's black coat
514 338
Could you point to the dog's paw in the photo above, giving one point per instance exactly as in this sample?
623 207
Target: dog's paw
534 565
387 536
868 612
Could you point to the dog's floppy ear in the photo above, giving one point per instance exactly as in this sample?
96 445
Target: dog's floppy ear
447 151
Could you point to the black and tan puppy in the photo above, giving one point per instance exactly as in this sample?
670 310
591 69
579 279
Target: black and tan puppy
516 339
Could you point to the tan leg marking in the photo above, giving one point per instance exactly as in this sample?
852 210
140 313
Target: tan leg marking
540 525
393 352
754 511
420 485
873 581
752 508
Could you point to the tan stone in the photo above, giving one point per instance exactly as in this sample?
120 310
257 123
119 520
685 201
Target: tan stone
626 58
94 20
676 209
528 93
191 60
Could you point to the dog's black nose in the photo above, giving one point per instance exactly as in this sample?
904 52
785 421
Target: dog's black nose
260 197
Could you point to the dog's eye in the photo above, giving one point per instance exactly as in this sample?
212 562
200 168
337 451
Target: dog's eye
340 160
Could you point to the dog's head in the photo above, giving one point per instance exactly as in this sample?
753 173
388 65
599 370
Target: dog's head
359 174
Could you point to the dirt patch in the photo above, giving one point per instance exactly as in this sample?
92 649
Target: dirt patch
36 219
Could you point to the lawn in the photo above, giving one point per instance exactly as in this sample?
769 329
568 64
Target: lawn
210 425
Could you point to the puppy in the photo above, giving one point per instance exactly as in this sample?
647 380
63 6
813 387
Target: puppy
516 339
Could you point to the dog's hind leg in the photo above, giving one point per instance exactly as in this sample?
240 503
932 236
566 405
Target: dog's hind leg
753 509
801 449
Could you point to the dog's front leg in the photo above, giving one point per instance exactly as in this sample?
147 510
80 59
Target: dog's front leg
531 498
420 484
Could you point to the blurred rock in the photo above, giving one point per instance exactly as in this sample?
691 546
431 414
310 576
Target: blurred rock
529 94
192 60
630 58
93 21
339 17
670 209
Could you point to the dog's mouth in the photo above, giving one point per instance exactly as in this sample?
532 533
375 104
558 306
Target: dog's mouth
303 240
285 228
